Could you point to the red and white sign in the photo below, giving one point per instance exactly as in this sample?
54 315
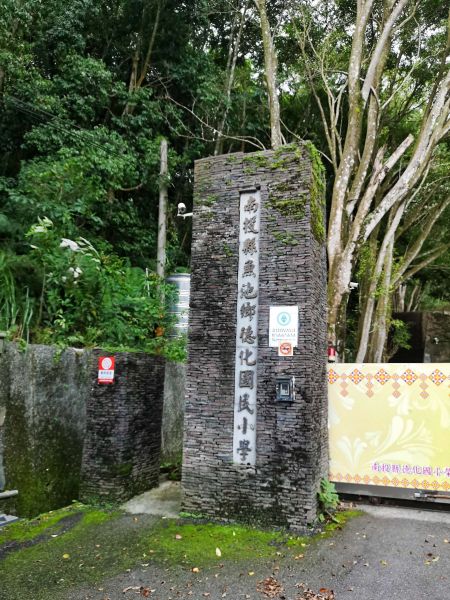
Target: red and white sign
106 369
285 349
331 353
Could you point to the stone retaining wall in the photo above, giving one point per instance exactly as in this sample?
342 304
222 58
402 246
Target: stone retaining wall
121 455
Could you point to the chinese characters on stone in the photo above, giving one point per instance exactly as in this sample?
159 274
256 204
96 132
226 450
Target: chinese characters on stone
244 437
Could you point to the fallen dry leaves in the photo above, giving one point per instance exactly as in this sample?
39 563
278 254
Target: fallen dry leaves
322 594
139 589
270 587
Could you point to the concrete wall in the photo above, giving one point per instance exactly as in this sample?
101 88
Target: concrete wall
51 406
437 337
43 397
173 412
291 439
429 337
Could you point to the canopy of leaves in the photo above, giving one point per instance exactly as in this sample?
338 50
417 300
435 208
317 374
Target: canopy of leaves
88 89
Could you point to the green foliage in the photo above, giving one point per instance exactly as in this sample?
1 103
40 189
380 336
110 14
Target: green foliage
80 134
327 496
175 349
82 112
400 334
88 298
172 469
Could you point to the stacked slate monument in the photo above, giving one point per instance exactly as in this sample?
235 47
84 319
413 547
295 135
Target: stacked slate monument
258 242
121 453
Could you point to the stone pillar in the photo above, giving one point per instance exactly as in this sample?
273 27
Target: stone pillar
271 474
121 453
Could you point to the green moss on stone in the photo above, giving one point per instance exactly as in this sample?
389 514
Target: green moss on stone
209 200
286 238
25 530
289 207
100 544
227 250
317 203
283 198
44 465
255 160
121 469
280 159
198 543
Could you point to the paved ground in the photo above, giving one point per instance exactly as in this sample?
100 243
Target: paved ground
386 554
164 500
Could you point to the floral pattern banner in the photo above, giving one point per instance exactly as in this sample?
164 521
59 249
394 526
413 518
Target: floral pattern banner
389 425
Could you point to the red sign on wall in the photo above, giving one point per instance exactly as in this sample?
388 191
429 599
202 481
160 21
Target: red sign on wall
285 349
106 369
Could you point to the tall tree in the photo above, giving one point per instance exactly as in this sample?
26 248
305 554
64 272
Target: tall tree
365 103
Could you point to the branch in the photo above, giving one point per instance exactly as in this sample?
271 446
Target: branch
150 48
414 250
231 66
131 189
429 136
270 69
352 136
257 143
378 175
404 80
380 48
413 217
370 305
427 261
327 127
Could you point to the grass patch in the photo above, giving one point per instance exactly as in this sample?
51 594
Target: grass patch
23 531
195 544
99 545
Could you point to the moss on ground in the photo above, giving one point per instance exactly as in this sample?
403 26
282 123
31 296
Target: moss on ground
195 544
43 561
23 531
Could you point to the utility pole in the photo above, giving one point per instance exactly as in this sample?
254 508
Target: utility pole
162 214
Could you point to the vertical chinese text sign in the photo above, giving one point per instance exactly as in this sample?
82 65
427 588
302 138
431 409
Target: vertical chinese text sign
244 437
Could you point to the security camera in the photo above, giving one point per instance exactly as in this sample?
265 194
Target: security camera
353 285
182 211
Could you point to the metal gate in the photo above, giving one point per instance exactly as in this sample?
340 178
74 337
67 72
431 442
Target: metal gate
389 427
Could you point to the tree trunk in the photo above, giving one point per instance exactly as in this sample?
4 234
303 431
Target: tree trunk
233 52
382 316
270 68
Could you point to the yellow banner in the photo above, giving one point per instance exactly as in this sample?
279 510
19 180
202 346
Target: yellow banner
389 425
